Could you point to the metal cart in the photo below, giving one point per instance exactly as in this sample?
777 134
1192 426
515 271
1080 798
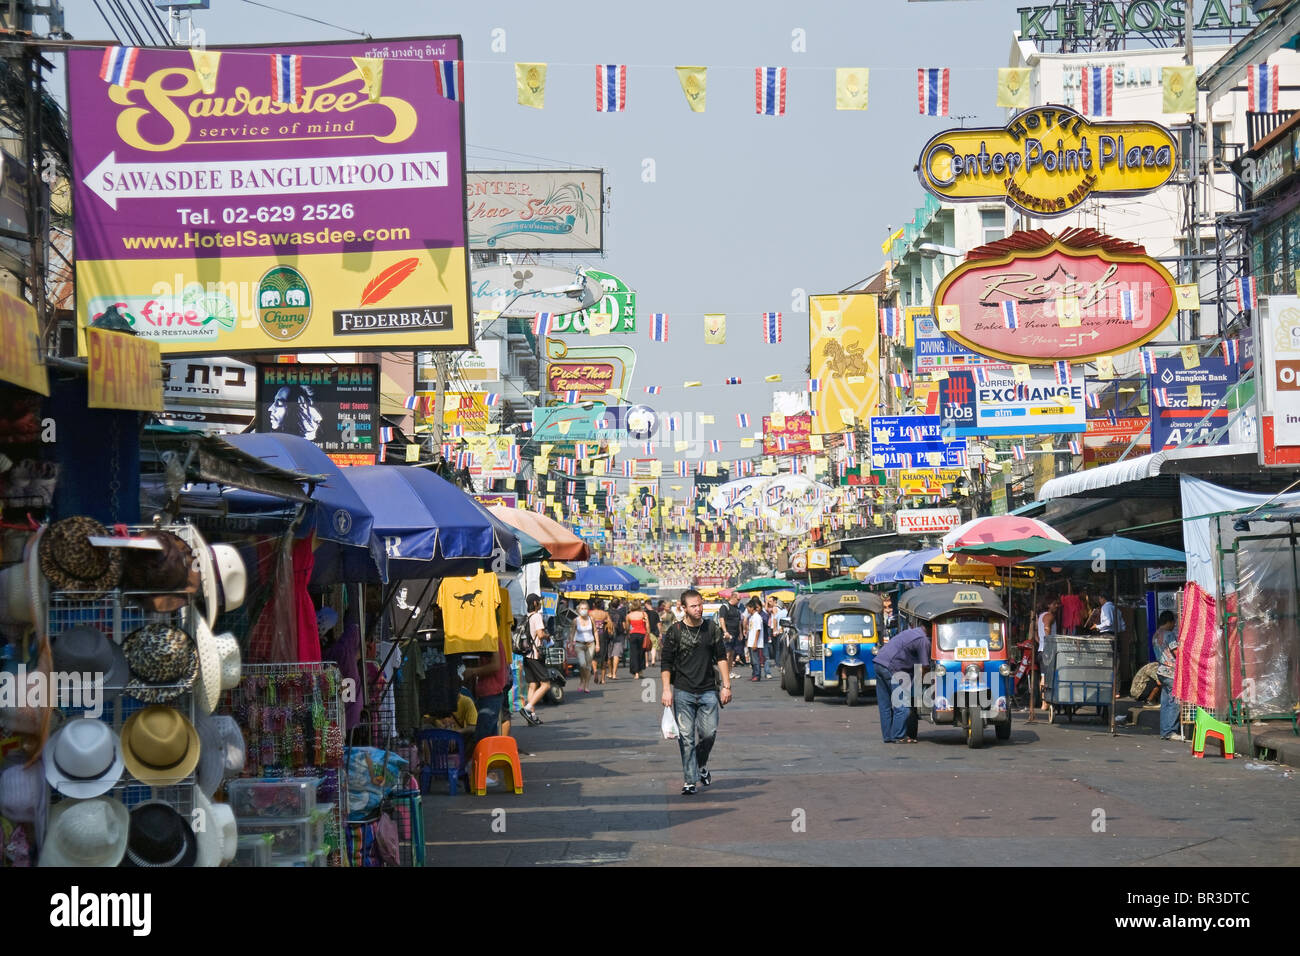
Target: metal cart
1080 674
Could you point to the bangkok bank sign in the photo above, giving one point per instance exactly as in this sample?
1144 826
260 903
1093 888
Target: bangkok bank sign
1036 298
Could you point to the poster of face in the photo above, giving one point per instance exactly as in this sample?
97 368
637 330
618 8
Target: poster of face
334 406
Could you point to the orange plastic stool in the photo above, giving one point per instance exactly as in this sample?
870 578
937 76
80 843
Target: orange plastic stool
491 751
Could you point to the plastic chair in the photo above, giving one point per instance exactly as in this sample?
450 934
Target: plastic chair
489 752
440 752
1207 727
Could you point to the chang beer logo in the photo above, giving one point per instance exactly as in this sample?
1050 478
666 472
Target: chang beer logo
283 303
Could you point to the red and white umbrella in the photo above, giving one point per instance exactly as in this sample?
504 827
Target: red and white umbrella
998 528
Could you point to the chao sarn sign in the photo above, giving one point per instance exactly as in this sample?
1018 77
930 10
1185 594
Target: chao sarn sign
535 210
1047 161
1075 297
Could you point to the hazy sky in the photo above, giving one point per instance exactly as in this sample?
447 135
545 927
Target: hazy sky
744 208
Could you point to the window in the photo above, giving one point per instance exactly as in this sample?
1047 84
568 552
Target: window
970 629
916 291
993 223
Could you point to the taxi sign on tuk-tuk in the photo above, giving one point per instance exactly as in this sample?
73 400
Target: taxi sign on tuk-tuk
848 599
967 597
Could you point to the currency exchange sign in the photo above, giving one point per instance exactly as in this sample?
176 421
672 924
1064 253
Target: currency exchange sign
304 197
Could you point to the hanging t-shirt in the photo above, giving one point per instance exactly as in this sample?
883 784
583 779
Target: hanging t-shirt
469 613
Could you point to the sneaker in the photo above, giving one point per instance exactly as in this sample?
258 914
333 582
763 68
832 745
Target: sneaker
1174 737
706 778
688 790
531 717
752 679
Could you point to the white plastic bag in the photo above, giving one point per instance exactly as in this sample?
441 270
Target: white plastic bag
668 724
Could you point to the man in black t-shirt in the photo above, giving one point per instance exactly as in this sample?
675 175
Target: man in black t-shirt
692 648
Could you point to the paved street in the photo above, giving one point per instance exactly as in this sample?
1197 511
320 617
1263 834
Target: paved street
603 787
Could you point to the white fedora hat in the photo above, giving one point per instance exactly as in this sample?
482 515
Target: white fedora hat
24 592
220 666
207 576
86 833
232 576
83 759
217 832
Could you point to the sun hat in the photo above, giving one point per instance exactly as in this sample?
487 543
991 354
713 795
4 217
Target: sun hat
159 746
232 576
83 759
72 563
219 664
22 792
87 650
90 832
24 592
172 569
232 744
217 835
221 751
163 662
159 836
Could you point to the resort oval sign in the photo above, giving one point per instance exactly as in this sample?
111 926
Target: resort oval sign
1035 298
1047 161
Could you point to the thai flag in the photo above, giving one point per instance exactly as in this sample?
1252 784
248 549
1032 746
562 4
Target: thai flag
580 451
932 91
1019 452
526 427
742 420
463 460
1229 349
1246 293
1127 306
492 399
118 65
659 327
1148 362
513 458
672 423
1261 88
960 455
889 323
653 389
781 443
850 442
611 88
1160 396
457 431
1063 376
814 385
383 454
1114 419
900 380
1098 90
412 402
1076 448
648 449
286 77
715 446
448 451
981 375
1010 316
627 469
570 396
683 470
771 327
769 90
449 77
542 324
385 434
732 380
1093 400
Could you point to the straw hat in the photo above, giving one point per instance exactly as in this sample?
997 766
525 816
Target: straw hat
232 576
163 662
86 833
24 592
219 664
160 836
160 746
22 792
83 759
72 563
218 834
87 650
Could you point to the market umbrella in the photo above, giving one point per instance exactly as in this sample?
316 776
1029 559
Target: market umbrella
1003 554
641 574
908 567
998 528
604 577
864 570
845 582
563 544
764 584
530 549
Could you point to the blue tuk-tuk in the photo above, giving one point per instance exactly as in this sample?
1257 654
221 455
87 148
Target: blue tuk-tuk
832 643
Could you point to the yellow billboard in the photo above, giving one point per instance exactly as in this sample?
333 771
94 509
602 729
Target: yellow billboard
843 341
927 481
22 361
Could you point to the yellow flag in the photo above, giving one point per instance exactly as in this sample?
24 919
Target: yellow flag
205 67
777 421
547 449
1020 373
747 443
599 323
1179 85
949 317
888 243
691 384
769 467
372 75
851 88
715 328
815 442
1187 296
614 448
847 417
710 469
656 468
680 446
706 420
771 378
486 315
530 84
1013 86
601 466
491 428
694 80
1047 446
1191 356
1068 313
1105 367
564 427
550 485
1194 396
412 453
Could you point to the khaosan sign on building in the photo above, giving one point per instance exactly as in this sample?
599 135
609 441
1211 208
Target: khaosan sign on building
1035 298
842 341
245 209
535 210
1047 161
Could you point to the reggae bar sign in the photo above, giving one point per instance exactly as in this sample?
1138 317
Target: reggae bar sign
1047 161
1035 298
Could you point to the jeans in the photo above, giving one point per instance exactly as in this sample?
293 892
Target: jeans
756 662
697 728
893 720
489 716
1168 708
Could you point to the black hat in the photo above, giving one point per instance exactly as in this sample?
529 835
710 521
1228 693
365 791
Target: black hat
160 836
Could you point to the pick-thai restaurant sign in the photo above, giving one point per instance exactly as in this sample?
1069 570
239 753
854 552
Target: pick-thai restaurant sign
1103 442
1047 161
1005 407
21 359
258 198
334 406
1035 298
124 371
795 429
1279 372
585 378
1182 398
535 210
926 520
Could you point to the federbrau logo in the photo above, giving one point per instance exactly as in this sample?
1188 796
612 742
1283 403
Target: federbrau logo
75 909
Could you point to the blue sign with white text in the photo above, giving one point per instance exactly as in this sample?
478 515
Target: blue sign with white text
909 441
1173 416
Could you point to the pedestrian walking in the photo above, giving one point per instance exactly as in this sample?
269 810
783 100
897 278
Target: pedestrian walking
754 626
900 656
656 615
534 669
730 616
585 643
1046 625
601 630
691 650
618 625
638 636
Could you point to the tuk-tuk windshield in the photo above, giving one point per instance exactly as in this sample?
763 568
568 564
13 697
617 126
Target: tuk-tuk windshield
850 625
959 629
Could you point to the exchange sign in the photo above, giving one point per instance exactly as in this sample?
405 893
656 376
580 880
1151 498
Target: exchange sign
1047 161
302 197
1005 407
1181 398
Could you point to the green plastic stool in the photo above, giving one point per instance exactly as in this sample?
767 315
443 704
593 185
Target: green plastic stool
1208 727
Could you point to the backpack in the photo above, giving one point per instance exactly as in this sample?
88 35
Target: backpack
521 642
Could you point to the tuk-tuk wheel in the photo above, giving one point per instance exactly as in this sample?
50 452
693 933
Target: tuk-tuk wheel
809 688
1003 730
1051 714
974 728
852 688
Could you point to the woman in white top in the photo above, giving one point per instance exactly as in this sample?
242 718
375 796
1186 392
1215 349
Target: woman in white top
1046 627
754 637
584 637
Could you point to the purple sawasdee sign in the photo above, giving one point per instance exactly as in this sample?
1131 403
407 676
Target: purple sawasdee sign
232 199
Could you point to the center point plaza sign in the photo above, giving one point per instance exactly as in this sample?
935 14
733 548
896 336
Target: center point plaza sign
1035 298
263 198
1048 160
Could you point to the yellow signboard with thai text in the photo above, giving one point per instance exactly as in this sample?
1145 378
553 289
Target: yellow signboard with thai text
20 345
125 371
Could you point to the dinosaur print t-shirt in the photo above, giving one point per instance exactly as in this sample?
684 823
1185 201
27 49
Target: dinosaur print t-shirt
469 613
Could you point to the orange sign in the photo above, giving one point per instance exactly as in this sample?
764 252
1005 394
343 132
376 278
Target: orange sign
1103 442
468 409
348 459
585 378
125 371
20 346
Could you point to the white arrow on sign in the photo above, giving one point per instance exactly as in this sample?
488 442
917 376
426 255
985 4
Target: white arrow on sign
112 181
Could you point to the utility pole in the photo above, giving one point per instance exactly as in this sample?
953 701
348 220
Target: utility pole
439 399
1194 265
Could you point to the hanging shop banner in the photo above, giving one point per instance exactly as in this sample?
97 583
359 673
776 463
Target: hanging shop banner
843 335
520 292
1033 297
933 351
249 209
913 441
1005 407
1047 161
336 407
504 500
618 302
535 210
926 520
795 429
491 457
203 381
124 371
1279 376
591 368
21 356
467 409
1177 411
1104 443
928 481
